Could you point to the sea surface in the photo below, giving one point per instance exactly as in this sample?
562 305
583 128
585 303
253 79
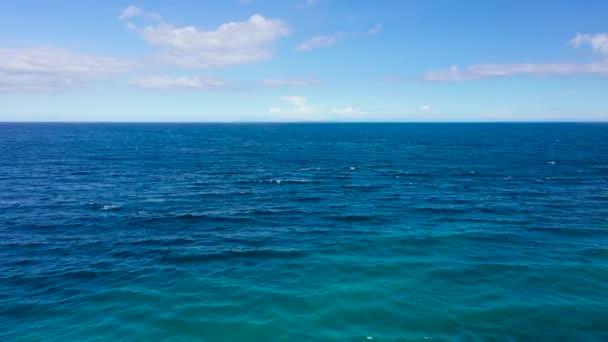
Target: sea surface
304 232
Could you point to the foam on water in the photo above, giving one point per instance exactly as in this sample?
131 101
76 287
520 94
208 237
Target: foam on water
111 207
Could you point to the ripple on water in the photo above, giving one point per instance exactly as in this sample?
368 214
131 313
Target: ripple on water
232 255
332 232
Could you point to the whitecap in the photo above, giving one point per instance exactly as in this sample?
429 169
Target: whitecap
154 200
140 213
110 207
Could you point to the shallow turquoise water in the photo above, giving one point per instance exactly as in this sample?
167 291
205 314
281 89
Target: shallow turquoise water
304 232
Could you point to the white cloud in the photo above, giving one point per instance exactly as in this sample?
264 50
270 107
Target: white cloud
130 12
231 43
291 82
348 111
299 108
598 43
134 11
32 69
425 108
195 82
317 42
327 41
472 72
296 101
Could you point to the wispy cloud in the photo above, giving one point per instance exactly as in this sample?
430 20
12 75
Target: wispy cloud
324 41
193 82
425 108
35 69
597 42
296 101
375 30
348 111
472 72
291 82
134 11
317 42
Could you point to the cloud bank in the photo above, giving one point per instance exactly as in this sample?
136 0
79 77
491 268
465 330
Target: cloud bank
196 82
597 42
291 82
34 69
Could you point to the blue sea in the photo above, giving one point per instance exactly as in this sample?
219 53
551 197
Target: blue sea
304 232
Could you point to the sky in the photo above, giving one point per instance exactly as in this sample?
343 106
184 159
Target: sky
303 60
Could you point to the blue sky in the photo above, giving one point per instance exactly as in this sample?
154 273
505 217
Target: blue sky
303 60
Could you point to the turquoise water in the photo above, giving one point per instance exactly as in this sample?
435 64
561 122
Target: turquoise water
304 232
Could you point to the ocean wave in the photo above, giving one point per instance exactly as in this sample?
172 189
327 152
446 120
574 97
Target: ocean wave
200 217
596 252
288 212
480 220
23 244
84 274
232 254
411 174
364 187
280 181
309 198
80 173
568 231
478 272
359 218
457 239
159 242
438 210
111 207
449 200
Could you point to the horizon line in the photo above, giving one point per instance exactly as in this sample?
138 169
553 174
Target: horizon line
293 122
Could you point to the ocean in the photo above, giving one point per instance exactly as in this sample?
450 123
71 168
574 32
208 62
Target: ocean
304 232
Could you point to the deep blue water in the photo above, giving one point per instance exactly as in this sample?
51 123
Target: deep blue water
304 232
